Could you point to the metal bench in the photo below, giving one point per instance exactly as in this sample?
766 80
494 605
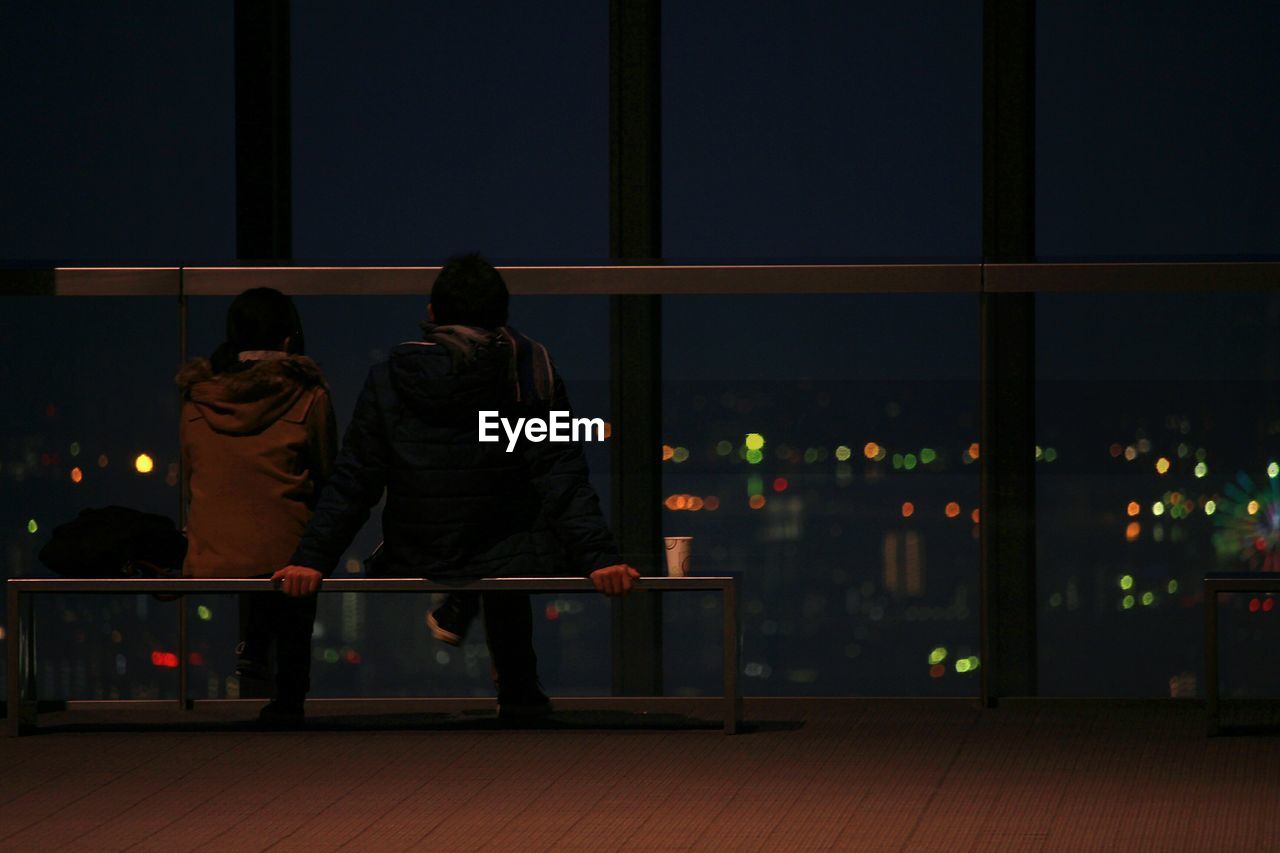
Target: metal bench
21 696
1216 583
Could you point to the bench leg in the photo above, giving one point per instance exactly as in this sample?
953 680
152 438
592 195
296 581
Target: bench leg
20 665
732 638
1211 659
183 654
13 675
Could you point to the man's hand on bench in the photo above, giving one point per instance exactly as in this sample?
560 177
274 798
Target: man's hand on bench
297 581
614 580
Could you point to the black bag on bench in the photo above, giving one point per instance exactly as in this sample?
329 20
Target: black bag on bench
114 542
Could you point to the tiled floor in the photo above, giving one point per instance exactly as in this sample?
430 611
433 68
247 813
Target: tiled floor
815 774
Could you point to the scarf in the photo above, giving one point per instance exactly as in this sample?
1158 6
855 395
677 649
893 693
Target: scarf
530 370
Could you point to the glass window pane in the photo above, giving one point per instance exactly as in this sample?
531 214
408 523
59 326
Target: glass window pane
843 130
426 129
378 645
1157 416
1156 129
89 390
122 140
821 446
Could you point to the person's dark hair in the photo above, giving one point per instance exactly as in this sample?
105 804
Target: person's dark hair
259 319
470 292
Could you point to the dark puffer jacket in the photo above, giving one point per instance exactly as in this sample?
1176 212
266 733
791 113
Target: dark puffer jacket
458 508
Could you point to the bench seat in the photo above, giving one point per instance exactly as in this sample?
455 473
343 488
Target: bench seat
21 670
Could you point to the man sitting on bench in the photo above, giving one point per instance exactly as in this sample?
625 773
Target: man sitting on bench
459 508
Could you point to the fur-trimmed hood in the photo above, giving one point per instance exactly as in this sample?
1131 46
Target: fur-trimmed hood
246 401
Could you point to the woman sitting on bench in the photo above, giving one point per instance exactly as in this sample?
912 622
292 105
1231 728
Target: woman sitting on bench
258 440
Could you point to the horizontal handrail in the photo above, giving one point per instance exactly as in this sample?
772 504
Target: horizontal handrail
192 586
658 279
1106 277
1242 582
602 280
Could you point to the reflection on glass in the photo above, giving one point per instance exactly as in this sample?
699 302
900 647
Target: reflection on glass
1155 135
90 420
1157 418
825 448
421 130
121 140
848 130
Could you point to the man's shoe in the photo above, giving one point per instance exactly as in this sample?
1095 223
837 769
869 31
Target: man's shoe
521 705
251 663
253 670
282 714
448 623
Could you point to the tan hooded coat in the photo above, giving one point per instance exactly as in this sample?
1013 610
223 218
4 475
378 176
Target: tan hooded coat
256 447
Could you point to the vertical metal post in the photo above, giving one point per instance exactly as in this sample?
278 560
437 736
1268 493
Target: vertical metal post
13 664
1211 655
635 227
732 641
264 174
184 675
636 453
27 616
264 219
1007 441
21 659
183 622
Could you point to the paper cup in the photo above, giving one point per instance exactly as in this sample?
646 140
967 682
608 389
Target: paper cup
678 555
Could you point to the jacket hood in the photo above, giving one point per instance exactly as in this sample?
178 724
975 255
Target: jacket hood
247 401
453 372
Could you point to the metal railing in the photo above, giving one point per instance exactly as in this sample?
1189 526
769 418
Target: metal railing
661 279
